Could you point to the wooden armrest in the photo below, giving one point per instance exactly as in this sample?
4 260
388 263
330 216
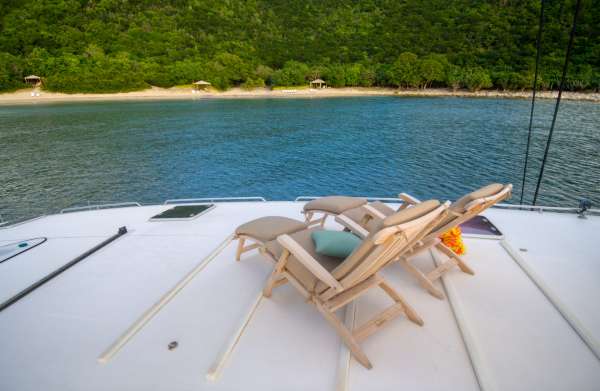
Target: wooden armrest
309 262
373 212
408 199
352 225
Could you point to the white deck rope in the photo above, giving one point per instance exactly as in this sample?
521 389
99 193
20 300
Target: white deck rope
571 319
343 371
475 357
164 300
215 371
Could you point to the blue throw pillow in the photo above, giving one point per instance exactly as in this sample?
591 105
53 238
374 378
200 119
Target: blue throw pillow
337 244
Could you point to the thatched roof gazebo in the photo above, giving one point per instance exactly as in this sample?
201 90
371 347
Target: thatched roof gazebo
318 83
201 85
33 80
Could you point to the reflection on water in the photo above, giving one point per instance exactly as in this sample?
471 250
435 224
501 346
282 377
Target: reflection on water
53 156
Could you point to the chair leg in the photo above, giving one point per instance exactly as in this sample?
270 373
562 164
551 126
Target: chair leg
422 278
308 216
345 334
408 310
365 220
323 220
399 307
320 221
240 248
459 261
275 278
281 281
268 290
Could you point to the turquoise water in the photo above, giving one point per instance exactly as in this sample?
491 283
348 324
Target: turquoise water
53 156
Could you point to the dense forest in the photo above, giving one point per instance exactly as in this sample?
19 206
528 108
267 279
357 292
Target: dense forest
119 45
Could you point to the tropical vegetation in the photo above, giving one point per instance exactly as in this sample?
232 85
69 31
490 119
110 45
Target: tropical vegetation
116 45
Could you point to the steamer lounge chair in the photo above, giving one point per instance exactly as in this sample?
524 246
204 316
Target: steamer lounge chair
364 219
330 283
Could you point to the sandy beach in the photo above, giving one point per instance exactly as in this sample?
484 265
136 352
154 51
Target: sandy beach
24 96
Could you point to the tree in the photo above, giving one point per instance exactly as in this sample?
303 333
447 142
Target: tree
10 72
264 72
454 77
279 78
186 71
476 79
382 75
352 75
317 72
404 72
431 70
581 79
39 62
293 73
368 76
253 82
509 80
335 75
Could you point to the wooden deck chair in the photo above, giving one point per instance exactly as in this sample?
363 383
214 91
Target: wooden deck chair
460 211
330 283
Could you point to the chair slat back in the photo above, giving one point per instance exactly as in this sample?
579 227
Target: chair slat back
472 209
389 243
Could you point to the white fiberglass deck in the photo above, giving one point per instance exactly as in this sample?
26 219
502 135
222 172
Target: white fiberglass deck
495 331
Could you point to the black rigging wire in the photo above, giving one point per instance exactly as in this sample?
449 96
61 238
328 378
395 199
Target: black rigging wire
560 88
535 78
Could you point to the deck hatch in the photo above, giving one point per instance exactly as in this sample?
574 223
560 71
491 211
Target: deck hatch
481 227
182 212
11 250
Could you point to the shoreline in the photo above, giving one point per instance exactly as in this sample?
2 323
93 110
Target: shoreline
23 96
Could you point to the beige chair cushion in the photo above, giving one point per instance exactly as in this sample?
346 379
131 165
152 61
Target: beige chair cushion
297 269
334 204
268 228
393 217
411 213
459 205
357 214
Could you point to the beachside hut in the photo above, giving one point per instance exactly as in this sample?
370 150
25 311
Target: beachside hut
318 83
33 80
201 85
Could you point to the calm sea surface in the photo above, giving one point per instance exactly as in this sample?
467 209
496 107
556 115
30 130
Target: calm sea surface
54 156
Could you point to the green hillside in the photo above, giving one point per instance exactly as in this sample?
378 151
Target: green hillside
117 45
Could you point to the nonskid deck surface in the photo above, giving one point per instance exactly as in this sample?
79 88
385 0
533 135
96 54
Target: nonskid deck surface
495 331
